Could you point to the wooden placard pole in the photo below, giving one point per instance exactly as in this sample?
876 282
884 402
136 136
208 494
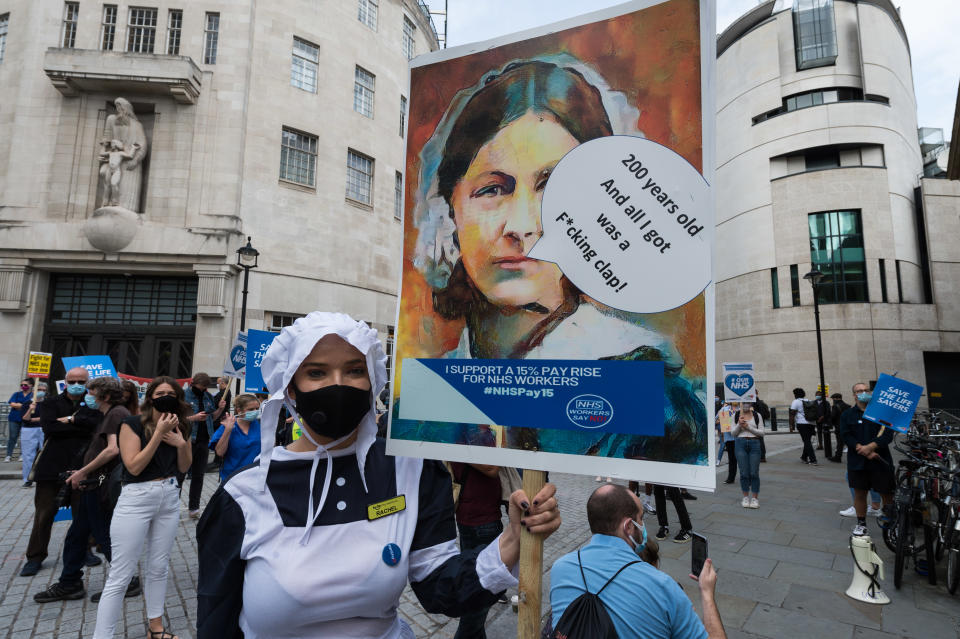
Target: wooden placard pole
531 566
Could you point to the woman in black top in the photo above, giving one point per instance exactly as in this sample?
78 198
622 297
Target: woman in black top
154 447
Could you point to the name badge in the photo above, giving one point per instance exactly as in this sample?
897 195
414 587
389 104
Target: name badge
388 507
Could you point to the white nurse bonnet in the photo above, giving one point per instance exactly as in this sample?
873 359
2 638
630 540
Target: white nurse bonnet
285 355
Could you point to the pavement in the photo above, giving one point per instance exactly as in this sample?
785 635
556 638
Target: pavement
782 569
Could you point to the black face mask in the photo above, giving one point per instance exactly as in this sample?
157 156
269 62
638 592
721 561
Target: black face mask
166 404
333 411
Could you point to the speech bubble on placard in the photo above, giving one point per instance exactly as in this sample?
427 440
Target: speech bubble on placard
629 222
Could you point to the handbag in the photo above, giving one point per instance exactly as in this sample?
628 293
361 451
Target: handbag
510 482
36 460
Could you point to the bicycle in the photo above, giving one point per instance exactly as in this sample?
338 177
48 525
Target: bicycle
920 479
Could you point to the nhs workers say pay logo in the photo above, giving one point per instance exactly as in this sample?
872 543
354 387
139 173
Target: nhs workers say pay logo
739 383
589 411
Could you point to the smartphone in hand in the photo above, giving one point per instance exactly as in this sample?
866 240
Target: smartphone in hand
698 553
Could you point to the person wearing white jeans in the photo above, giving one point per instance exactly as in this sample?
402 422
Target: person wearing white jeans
154 447
146 512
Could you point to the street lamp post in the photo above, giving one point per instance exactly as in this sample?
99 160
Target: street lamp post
247 259
815 277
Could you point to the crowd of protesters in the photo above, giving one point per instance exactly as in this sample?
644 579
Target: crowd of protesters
119 462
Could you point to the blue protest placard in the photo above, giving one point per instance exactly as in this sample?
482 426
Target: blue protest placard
237 358
601 396
257 344
96 365
894 403
739 384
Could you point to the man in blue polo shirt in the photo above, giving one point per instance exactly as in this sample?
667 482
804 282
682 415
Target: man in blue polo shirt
642 601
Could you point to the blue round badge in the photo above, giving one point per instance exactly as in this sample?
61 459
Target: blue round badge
391 554
589 411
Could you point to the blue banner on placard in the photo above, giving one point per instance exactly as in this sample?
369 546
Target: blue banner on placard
894 403
603 395
96 365
257 344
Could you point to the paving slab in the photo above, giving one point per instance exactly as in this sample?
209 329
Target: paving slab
770 621
828 605
810 558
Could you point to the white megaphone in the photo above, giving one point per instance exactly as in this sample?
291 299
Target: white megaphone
867 572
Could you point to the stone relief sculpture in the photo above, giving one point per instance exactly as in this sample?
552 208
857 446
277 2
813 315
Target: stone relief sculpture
111 171
115 223
125 148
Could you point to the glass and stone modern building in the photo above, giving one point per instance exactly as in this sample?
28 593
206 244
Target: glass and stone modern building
820 167
144 142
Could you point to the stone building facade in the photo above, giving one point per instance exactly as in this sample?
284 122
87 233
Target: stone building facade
282 121
819 165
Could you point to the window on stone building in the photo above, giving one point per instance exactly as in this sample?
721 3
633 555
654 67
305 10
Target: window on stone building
298 157
4 25
211 38
794 285
174 30
398 196
899 283
821 158
836 250
390 344
367 13
303 69
68 38
814 33
883 280
403 115
141 30
359 177
775 287
363 86
409 43
279 321
108 27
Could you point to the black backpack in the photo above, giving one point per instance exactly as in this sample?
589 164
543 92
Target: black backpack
761 407
586 617
811 410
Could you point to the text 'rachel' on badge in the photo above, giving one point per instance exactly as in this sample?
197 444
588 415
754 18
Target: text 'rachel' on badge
629 222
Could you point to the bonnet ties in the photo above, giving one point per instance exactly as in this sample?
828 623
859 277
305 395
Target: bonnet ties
328 475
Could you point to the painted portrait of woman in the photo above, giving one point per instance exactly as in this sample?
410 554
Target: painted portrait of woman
482 177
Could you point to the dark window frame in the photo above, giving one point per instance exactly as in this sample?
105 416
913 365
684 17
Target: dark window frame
846 278
775 287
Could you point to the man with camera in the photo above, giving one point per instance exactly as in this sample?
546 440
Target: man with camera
640 600
68 425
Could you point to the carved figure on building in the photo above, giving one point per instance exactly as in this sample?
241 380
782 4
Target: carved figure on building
125 148
111 171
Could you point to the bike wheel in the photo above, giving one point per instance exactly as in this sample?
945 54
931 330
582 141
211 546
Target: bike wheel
890 537
953 567
904 546
929 540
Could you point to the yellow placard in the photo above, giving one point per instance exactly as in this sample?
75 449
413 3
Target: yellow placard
39 364
388 507
726 420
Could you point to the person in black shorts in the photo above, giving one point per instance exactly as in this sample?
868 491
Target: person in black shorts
869 464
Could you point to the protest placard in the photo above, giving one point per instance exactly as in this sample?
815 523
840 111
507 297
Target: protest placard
257 344
738 382
237 358
726 420
38 365
96 365
142 382
893 403
556 291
